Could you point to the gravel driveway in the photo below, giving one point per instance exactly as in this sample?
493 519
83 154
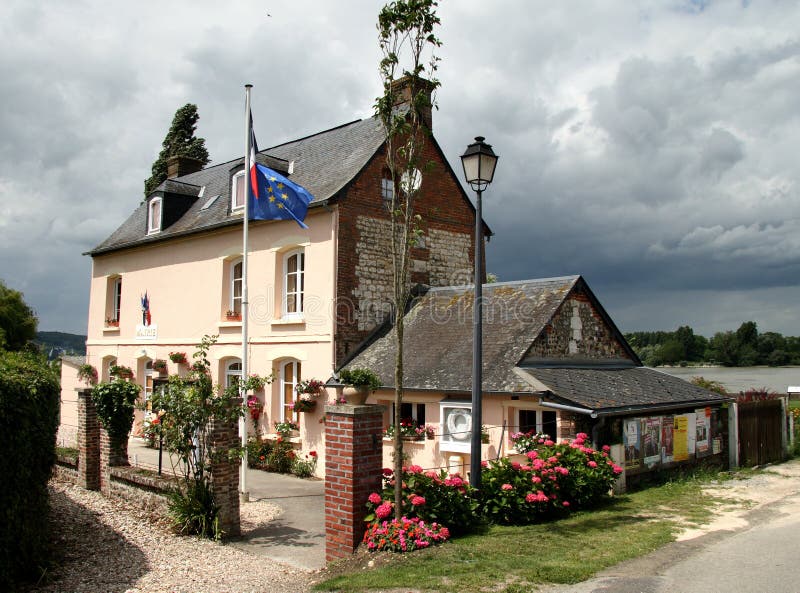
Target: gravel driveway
108 546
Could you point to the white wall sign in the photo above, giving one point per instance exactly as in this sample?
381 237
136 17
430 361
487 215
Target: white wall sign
147 332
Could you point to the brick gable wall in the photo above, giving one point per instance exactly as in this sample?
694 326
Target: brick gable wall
364 265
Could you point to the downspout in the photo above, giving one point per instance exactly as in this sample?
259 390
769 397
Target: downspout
584 411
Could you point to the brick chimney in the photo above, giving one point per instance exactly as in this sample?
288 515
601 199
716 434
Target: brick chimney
178 166
402 91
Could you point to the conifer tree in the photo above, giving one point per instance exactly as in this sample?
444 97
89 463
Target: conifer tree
179 141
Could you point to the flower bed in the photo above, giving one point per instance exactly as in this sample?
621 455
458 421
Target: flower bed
404 535
555 479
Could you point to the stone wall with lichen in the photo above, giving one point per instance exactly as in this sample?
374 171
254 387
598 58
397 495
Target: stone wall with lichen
577 331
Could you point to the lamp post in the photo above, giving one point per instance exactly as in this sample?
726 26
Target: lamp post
479 162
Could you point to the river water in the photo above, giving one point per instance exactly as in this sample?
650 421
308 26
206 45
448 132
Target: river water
736 379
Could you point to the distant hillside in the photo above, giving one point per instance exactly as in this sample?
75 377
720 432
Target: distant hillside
56 344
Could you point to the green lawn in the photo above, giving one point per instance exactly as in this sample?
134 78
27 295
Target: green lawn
565 551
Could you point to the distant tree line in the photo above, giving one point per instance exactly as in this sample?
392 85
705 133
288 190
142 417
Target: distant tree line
740 348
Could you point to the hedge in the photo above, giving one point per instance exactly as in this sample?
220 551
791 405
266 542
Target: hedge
29 412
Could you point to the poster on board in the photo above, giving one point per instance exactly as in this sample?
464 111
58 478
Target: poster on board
667 426
632 443
680 438
691 432
702 426
652 441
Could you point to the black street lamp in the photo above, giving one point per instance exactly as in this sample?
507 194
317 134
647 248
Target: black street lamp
479 162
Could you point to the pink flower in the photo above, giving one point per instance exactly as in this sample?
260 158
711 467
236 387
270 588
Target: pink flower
484 464
415 469
592 464
515 465
532 455
617 469
506 487
548 443
384 510
536 480
417 501
375 498
530 497
431 474
387 471
606 448
565 503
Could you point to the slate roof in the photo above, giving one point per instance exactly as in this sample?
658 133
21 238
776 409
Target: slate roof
610 390
438 335
324 164
438 352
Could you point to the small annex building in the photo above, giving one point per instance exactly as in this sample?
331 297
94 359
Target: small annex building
553 362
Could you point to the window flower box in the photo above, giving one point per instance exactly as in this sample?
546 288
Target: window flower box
233 316
178 357
112 322
304 405
160 365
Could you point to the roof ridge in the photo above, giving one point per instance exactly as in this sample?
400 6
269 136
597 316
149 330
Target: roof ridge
506 283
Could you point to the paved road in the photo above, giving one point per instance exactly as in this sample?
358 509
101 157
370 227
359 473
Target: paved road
760 556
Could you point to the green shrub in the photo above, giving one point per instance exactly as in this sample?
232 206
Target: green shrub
29 409
360 378
114 402
431 496
556 478
305 467
193 510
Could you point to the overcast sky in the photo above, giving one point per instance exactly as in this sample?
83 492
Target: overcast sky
650 146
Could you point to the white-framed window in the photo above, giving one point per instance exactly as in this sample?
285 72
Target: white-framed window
236 286
540 421
154 216
409 411
456 429
233 373
387 189
293 283
108 362
237 191
147 392
290 377
116 304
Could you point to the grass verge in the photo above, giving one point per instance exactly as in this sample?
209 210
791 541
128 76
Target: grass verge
566 551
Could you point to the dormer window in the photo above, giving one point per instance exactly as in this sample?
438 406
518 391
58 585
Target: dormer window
154 216
237 191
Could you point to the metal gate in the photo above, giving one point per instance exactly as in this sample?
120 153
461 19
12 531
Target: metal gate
760 425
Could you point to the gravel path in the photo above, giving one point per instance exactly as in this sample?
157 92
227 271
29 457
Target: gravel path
106 546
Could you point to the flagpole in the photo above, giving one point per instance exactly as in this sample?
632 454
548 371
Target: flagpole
244 495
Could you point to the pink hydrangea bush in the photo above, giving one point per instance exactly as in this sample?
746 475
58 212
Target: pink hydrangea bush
437 496
405 535
554 479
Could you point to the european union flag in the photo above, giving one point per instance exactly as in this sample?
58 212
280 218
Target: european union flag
274 197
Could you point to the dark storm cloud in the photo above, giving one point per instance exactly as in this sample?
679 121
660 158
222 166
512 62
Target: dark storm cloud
650 146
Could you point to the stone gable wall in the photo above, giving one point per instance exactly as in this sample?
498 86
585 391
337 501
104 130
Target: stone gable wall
577 331
364 266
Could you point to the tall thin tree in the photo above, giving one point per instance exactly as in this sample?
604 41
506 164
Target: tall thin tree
408 43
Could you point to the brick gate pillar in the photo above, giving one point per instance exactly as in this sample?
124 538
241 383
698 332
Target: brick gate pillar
353 463
88 442
113 453
224 473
